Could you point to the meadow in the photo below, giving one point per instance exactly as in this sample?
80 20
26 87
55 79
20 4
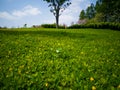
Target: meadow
59 59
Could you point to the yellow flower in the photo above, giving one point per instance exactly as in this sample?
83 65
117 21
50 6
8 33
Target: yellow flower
118 86
35 74
9 52
7 75
28 67
46 84
82 53
10 69
27 72
93 88
21 66
19 72
58 44
91 79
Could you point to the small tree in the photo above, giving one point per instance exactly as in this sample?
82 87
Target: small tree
90 11
82 15
57 7
25 25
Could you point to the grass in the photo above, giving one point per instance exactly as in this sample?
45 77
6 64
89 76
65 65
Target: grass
35 59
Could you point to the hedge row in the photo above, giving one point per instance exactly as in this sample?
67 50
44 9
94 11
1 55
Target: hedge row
51 26
103 25
48 25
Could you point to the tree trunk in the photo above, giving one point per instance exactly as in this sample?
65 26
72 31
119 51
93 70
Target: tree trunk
57 18
57 21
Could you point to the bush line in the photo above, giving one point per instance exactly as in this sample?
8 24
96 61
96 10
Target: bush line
101 25
52 26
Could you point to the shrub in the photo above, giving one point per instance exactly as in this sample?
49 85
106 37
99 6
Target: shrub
77 26
115 26
52 26
48 25
101 25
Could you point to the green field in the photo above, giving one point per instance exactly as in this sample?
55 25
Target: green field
64 59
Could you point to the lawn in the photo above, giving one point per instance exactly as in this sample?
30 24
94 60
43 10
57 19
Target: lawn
64 59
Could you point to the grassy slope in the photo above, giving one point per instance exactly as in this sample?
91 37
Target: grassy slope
59 59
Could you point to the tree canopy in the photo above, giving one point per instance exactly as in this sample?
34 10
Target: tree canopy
82 15
104 11
57 7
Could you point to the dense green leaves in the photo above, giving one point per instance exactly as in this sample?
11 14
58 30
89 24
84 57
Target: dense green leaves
90 11
35 59
110 10
82 15
104 10
52 26
101 25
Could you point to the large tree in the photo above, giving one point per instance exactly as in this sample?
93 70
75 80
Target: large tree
90 11
110 9
57 7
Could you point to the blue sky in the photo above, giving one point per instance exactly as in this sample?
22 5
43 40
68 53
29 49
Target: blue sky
16 13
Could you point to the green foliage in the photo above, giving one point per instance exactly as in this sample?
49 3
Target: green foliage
45 59
103 11
48 25
110 10
82 15
97 19
90 11
101 25
51 26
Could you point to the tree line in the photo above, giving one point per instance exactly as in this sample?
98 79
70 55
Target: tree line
102 11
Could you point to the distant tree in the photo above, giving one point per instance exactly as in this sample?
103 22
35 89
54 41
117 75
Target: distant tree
25 25
110 10
90 11
57 7
82 15
99 17
103 11
97 6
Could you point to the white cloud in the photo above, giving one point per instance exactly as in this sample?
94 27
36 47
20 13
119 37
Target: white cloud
48 21
6 15
26 11
71 14
66 19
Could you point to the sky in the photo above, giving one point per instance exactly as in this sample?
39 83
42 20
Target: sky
16 13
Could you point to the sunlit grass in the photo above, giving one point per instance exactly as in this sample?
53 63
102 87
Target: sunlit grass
82 59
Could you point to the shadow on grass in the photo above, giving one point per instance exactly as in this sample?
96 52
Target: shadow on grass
51 33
